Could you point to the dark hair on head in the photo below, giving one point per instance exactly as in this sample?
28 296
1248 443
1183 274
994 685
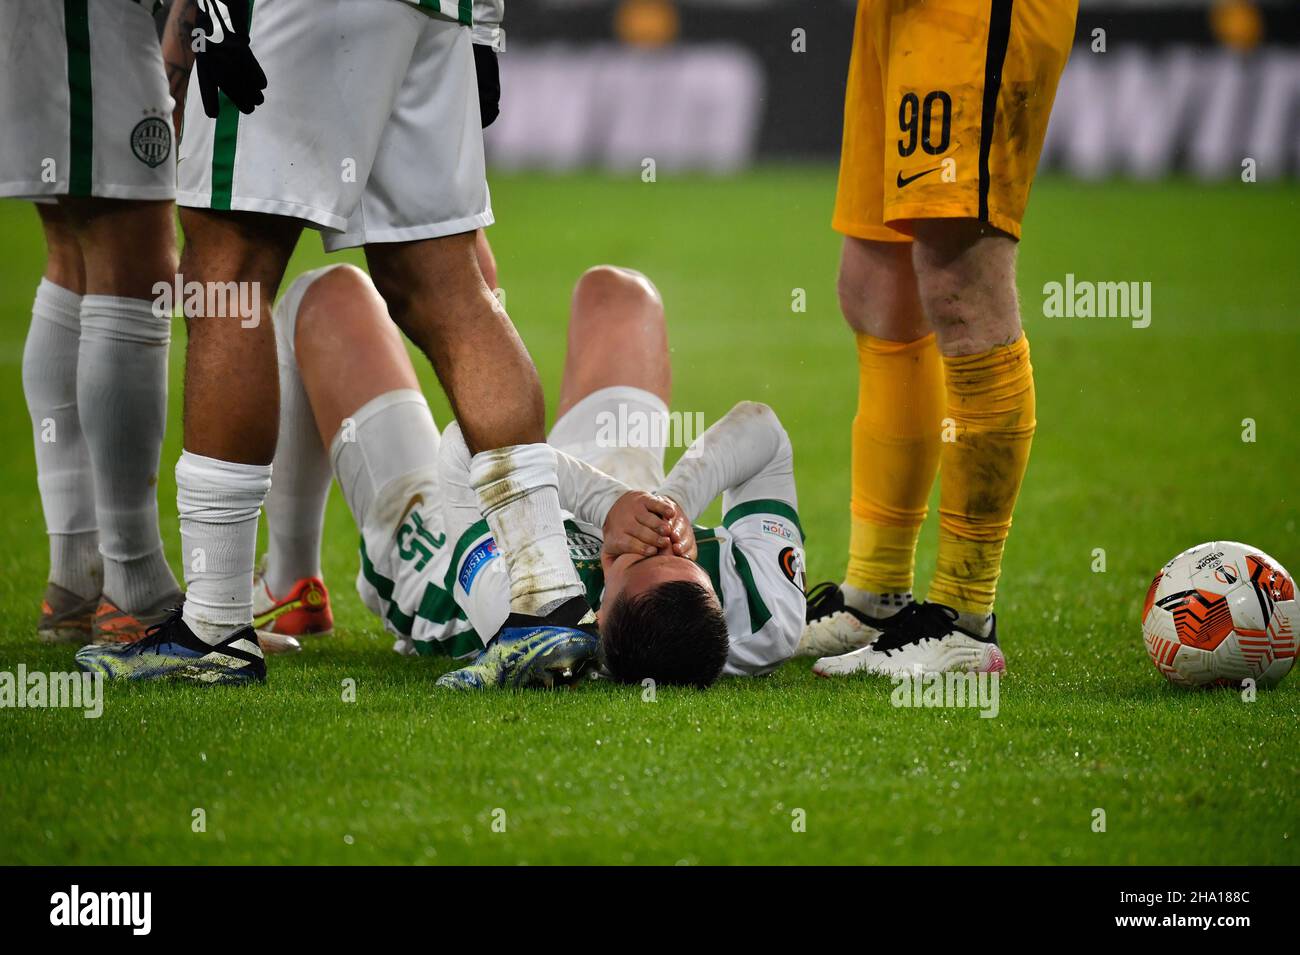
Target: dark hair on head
673 634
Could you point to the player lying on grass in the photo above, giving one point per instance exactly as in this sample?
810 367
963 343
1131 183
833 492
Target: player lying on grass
676 604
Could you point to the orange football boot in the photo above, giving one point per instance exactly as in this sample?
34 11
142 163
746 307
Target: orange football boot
65 617
302 612
114 625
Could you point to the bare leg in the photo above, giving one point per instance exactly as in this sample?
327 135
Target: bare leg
437 295
349 351
487 260
877 290
617 336
63 263
128 246
966 274
231 390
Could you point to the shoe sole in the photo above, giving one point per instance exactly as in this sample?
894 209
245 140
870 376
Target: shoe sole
56 635
557 666
273 643
207 675
991 661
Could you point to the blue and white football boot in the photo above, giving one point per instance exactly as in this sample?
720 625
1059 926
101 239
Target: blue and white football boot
170 651
533 652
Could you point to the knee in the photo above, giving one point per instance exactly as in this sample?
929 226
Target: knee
877 291
851 287
965 274
340 296
610 292
602 284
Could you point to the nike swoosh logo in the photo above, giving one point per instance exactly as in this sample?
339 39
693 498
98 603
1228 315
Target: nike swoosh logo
903 181
415 501
215 9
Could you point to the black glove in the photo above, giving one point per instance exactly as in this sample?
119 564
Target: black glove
489 83
226 64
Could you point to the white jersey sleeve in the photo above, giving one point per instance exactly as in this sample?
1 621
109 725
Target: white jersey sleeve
756 558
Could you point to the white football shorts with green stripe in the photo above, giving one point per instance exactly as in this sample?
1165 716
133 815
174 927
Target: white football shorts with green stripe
405 554
370 131
84 103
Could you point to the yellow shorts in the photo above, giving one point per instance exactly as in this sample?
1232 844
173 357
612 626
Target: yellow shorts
946 109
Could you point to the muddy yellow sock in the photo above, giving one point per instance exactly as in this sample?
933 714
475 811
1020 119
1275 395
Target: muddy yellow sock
895 456
991 407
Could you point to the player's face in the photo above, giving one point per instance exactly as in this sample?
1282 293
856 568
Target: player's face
632 574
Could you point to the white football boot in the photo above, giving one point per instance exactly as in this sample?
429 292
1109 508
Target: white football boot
921 638
833 626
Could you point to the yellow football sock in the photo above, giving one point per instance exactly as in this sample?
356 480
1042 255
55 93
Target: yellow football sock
991 407
895 456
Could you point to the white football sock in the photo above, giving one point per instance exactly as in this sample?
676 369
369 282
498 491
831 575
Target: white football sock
980 624
75 564
517 492
219 502
122 397
295 506
390 438
875 605
62 460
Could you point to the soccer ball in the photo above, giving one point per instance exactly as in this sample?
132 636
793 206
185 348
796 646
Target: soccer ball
1219 614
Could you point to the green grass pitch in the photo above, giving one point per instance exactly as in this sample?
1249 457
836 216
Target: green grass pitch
1139 452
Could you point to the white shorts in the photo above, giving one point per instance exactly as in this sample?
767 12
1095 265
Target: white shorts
370 129
620 430
84 105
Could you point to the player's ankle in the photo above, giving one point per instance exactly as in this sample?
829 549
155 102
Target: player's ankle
549 604
208 628
75 563
140 583
978 622
873 603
